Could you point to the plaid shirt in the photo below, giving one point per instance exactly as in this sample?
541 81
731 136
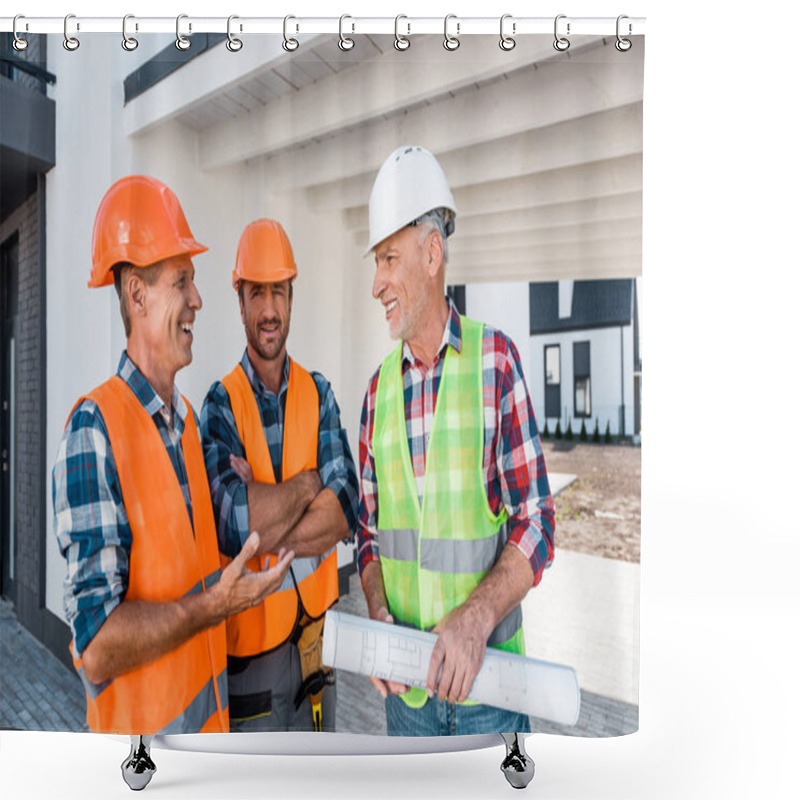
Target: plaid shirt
513 465
90 521
337 471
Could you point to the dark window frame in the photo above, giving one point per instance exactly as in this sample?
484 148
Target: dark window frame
552 347
554 386
581 376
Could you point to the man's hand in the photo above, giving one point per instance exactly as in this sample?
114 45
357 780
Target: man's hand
240 589
385 688
275 509
375 594
308 479
241 466
458 652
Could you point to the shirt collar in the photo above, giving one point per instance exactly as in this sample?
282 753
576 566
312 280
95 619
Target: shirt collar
451 335
149 397
257 383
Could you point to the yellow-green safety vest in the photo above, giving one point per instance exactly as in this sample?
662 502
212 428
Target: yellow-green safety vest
433 556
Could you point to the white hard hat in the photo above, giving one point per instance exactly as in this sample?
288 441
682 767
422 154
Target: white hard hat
409 184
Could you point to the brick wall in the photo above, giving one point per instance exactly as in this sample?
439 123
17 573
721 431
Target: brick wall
28 501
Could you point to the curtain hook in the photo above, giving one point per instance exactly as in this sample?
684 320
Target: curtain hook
401 42
290 45
19 43
181 42
128 42
451 42
71 43
233 44
561 43
345 43
623 45
507 42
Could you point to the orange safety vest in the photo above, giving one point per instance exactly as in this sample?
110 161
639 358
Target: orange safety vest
274 621
185 690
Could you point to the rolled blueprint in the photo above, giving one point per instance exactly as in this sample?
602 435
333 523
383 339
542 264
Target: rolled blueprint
505 680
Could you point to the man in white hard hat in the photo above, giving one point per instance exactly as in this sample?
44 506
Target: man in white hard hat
278 461
456 517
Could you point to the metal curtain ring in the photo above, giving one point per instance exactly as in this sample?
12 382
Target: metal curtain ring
623 45
507 42
345 43
181 41
401 42
290 45
451 42
19 43
233 44
128 42
70 42
561 43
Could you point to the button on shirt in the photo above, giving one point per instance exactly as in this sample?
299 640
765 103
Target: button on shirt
513 464
91 524
221 439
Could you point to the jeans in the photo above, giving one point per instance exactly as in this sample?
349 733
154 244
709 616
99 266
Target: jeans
437 718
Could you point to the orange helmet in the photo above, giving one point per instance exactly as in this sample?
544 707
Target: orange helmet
264 254
139 222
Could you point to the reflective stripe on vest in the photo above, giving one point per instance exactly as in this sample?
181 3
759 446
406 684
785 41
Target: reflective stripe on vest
184 690
442 555
272 623
433 556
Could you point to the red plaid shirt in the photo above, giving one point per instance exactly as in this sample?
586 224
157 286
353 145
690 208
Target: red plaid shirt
513 464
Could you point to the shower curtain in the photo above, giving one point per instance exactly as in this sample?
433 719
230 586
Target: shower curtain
541 147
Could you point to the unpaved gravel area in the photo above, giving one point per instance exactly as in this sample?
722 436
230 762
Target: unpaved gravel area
601 512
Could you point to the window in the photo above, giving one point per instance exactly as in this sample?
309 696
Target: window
582 373
552 380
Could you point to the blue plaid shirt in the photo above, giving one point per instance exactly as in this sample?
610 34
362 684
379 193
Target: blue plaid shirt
337 470
90 521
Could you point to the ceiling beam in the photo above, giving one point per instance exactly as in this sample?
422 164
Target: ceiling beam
596 137
546 270
502 253
572 184
377 88
467 240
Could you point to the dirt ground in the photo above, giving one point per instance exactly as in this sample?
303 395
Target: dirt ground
601 512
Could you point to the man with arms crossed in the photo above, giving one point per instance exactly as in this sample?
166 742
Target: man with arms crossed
278 461
456 518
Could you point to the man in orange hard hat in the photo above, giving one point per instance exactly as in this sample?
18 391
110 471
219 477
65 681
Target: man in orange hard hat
144 594
278 461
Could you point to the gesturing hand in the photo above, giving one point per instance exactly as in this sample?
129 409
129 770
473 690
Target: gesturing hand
240 588
458 652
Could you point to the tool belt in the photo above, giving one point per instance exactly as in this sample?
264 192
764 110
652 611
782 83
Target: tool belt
315 676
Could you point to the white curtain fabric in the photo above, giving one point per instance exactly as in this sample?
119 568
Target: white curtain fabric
543 152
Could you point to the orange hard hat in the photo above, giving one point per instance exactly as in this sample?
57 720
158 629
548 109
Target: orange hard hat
264 254
139 222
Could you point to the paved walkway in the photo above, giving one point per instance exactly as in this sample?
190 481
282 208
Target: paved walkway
585 613
37 692
559 481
